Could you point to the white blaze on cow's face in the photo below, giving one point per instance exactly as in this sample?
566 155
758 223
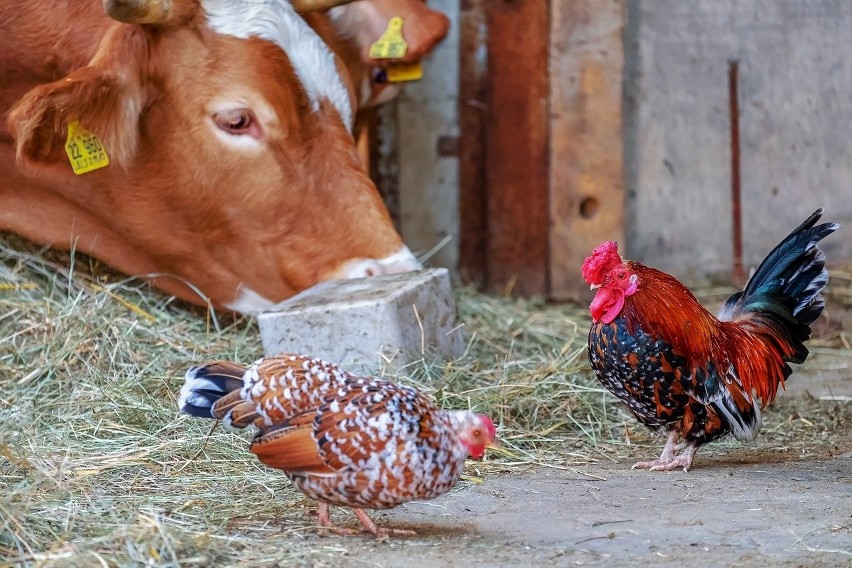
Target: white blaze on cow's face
276 21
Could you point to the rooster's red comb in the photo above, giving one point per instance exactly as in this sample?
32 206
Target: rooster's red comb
603 259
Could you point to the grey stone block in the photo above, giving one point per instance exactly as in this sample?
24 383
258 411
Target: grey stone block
368 323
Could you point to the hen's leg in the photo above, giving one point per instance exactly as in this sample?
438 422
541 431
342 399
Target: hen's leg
324 521
371 526
667 459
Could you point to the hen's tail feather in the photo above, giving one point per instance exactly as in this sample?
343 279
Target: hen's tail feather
205 384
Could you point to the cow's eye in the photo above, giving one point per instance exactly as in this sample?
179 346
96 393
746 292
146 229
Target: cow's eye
236 121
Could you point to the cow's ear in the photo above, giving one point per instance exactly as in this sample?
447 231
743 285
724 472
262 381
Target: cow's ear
106 97
365 22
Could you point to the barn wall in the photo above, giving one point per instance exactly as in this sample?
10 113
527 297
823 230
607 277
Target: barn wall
427 111
795 98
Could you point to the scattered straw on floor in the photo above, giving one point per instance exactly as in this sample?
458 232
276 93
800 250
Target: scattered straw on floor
98 468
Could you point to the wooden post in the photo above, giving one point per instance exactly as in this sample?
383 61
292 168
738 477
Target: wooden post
541 173
473 61
516 146
586 155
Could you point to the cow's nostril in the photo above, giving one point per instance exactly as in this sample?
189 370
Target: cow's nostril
365 269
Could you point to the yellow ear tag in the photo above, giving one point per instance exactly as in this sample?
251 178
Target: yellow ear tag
401 72
84 149
391 45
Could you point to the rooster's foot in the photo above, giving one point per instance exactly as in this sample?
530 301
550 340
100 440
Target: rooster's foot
668 461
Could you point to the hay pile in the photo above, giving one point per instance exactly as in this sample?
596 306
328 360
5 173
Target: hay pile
98 468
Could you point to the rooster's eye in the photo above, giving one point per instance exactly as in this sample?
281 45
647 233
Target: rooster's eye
477 433
621 276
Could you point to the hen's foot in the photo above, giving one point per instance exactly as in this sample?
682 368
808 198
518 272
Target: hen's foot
326 526
371 527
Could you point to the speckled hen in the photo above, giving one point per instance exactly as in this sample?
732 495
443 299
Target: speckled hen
699 377
342 439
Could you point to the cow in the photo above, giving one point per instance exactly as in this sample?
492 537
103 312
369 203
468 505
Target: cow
233 176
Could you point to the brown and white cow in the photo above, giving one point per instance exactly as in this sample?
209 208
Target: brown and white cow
232 172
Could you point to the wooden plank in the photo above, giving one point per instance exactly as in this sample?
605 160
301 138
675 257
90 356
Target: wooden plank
586 176
472 100
516 146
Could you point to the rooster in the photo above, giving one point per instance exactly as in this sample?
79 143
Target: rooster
699 376
341 439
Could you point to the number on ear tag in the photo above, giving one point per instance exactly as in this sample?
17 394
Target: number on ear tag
85 150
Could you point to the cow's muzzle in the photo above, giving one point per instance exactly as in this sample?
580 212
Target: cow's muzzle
400 261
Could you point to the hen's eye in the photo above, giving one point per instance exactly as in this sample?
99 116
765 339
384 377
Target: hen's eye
477 433
237 121
621 276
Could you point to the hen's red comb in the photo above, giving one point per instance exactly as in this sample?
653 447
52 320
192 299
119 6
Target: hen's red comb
603 259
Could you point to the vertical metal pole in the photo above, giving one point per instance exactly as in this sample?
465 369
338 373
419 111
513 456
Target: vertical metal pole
736 174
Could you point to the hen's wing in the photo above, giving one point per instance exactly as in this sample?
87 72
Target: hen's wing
367 424
278 388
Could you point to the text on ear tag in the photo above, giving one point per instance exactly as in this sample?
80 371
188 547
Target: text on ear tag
84 149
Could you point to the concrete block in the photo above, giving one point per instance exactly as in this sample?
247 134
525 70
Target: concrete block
366 323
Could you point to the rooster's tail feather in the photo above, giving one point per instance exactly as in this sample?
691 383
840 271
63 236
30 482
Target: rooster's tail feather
787 286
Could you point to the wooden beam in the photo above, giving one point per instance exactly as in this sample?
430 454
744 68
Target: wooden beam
586 149
516 146
472 100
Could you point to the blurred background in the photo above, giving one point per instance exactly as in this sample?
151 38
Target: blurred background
696 133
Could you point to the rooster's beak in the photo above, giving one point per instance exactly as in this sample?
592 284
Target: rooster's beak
494 444
594 286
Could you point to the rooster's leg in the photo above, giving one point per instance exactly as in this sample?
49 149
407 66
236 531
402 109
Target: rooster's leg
683 460
668 456
371 526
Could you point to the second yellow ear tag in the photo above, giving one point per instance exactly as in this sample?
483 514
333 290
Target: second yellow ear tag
401 72
391 45
84 149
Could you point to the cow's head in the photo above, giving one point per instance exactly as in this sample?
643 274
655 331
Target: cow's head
233 167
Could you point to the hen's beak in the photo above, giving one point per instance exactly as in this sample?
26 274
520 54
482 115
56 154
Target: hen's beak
494 444
594 286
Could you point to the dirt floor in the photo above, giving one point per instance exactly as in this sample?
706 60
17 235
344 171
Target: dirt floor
741 505
725 512
97 468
